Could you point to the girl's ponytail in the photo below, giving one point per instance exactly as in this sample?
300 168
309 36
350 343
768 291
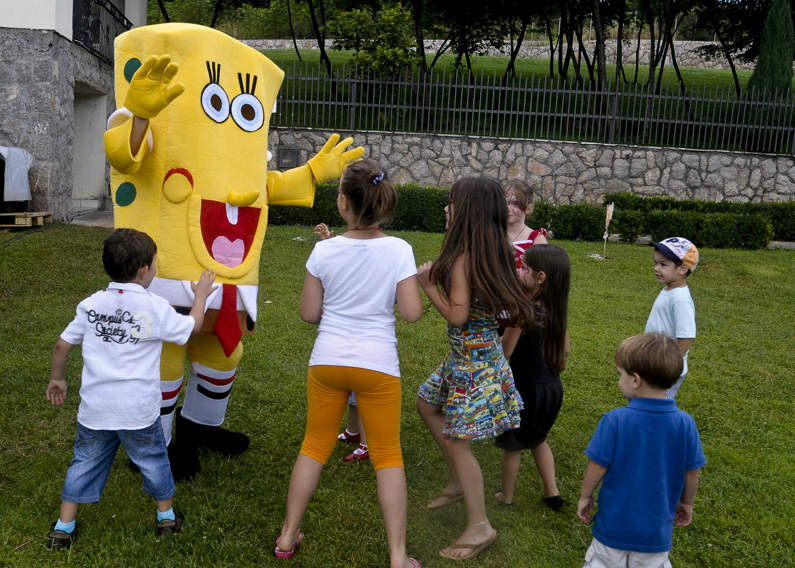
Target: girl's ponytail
368 189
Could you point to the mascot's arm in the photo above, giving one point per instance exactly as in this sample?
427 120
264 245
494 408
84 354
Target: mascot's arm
150 92
297 186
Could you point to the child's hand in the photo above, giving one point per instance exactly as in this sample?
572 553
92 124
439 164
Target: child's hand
205 284
424 274
322 231
56 391
585 509
683 515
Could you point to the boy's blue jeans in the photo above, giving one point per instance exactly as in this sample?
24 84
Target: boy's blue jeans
94 453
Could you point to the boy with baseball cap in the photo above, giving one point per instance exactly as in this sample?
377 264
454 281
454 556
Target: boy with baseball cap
673 313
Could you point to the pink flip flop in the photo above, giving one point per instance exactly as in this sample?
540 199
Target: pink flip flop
287 554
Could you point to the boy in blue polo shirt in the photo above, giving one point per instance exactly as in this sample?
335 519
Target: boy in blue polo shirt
647 455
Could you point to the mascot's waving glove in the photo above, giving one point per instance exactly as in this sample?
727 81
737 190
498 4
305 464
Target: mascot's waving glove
187 148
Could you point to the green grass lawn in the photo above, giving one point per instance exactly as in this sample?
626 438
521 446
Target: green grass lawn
739 390
695 79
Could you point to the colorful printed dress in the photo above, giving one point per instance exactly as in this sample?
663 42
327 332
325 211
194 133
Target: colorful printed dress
474 384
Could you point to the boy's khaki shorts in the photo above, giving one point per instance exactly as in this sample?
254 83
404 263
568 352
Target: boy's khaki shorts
600 556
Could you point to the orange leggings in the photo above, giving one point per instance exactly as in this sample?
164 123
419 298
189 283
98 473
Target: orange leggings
378 400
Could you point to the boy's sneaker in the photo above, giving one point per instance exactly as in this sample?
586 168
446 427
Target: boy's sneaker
167 526
349 437
58 540
359 454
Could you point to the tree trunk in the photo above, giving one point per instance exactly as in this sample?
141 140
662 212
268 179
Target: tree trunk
163 10
292 31
440 51
515 52
622 11
551 48
216 12
728 55
600 44
416 9
320 36
637 55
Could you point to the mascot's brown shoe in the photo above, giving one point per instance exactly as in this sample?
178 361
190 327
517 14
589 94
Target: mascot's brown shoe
213 438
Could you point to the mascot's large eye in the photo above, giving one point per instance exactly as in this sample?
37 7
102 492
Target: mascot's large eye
247 112
215 102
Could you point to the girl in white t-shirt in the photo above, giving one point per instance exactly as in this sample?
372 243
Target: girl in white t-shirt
351 286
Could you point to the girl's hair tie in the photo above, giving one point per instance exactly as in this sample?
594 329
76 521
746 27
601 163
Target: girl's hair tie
379 178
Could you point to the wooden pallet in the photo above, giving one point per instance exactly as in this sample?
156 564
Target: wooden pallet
25 219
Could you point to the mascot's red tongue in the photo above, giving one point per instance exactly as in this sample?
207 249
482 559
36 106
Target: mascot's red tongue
228 231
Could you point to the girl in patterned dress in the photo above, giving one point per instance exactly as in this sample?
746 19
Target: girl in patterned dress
471 395
521 200
537 357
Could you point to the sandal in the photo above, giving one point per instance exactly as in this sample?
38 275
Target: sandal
474 549
498 497
349 437
362 453
414 563
446 498
287 554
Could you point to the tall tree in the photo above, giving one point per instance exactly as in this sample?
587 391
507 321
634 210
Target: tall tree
773 71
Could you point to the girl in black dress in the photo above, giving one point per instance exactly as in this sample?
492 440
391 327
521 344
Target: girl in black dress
537 357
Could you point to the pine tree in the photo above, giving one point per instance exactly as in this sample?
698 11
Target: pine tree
773 72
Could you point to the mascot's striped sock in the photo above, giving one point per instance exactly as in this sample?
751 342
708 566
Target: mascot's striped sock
207 395
168 404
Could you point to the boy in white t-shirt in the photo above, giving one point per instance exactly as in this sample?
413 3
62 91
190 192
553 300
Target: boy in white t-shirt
121 329
674 313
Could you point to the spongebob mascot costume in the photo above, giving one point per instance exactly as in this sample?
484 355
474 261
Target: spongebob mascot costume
187 147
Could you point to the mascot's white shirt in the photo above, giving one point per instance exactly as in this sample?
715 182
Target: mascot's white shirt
122 330
179 293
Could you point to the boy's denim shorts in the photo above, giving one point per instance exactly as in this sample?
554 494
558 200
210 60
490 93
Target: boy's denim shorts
94 453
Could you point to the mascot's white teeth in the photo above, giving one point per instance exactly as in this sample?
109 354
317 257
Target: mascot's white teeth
231 214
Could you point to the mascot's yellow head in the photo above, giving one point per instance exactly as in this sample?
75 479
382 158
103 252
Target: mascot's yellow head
201 191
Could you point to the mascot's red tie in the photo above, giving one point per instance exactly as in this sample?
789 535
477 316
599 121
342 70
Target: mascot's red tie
227 327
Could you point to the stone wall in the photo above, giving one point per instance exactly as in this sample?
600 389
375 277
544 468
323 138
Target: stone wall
38 73
567 172
687 54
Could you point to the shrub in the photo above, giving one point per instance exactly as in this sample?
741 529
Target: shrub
420 208
780 214
629 224
578 222
541 216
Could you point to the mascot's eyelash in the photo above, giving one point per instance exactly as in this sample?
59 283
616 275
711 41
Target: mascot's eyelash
249 83
214 72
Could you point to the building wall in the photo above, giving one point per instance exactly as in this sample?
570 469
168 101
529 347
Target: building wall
567 172
39 70
38 15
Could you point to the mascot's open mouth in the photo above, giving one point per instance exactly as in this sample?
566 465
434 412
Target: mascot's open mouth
228 231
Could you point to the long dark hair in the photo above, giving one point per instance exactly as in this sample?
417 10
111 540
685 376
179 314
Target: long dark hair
370 192
478 230
552 297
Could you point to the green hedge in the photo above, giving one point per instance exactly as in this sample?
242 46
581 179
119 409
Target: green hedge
421 208
780 214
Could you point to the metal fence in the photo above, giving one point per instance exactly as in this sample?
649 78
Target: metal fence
535 108
95 24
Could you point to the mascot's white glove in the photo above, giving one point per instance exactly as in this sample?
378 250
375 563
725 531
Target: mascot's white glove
150 88
332 158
